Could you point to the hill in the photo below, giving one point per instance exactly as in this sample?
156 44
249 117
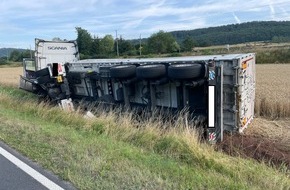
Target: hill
234 33
6 51
238 33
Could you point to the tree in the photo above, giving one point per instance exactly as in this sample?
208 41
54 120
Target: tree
18 55
126 47
27 54
162 42
107 45
187 44
175 47
15 55
95 50
84 40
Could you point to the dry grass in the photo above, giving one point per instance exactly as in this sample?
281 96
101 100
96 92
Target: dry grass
273 90
10 76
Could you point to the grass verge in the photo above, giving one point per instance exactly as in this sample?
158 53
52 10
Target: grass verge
109 152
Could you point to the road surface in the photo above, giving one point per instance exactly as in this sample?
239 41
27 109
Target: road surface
19 173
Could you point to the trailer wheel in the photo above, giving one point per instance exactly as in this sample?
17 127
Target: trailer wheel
186 71
123 71
151 71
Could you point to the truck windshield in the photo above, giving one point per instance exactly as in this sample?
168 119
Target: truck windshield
29 65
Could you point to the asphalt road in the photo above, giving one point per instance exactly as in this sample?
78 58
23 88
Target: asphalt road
19 173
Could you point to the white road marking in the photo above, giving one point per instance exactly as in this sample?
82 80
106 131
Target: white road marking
30 171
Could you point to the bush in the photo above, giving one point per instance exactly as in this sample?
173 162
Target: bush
3 61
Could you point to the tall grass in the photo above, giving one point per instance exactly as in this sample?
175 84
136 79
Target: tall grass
174 139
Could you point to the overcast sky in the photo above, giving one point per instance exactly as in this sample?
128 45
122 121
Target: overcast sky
23 20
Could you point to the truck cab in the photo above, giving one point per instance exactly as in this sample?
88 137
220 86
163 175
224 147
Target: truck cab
49 59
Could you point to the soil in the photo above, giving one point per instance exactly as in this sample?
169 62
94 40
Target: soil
257 147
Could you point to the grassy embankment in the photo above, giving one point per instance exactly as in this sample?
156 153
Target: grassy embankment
109 152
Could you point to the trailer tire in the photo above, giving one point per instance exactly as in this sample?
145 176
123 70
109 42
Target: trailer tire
186 71
151 71
123 71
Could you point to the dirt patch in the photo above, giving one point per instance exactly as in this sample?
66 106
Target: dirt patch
256 147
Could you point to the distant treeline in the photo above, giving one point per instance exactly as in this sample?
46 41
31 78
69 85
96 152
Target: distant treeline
237 33
14 55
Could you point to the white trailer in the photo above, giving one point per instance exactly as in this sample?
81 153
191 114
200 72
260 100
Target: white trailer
221 88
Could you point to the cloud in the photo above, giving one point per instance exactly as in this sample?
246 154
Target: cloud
22 20
272 10
237 18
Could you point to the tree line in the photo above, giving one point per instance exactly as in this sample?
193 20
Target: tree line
15 55
106 47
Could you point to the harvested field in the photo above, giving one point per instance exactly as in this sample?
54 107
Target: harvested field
10 76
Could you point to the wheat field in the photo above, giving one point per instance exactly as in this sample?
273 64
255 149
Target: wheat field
10 76
273 90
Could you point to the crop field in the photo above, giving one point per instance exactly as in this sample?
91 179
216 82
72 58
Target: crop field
273 90
10 76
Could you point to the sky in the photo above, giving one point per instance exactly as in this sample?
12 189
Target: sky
21 21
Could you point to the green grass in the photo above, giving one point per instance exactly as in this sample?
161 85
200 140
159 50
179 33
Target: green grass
109 152
10 64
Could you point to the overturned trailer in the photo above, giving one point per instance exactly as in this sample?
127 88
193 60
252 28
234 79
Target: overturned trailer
219 87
